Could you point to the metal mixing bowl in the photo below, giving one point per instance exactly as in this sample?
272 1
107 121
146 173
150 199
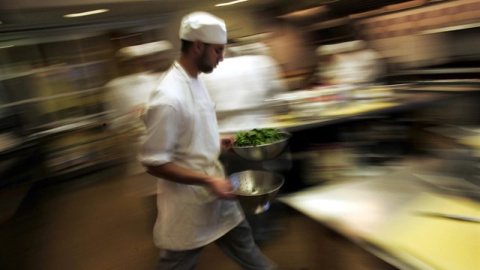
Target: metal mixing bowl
256 189
264 151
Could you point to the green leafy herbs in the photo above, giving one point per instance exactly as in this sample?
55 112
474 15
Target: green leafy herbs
258 137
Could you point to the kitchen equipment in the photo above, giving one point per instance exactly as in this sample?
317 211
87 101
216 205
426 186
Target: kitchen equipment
264 151
256 189
313 102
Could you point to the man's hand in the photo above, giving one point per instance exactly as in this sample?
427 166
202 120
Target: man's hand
226 142
221 187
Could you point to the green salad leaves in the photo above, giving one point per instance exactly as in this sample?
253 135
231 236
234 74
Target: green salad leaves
258 137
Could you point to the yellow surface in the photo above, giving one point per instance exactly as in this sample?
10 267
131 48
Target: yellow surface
473 142
285 124
359 108
295 119
432 242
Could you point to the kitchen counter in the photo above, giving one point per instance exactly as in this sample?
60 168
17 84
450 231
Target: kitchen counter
411 214
397 216
405 99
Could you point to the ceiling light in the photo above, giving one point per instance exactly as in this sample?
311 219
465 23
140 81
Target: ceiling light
86 13
230 3
7 46
309 12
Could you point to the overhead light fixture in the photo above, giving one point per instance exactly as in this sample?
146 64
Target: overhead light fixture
309 12
7 46
230 3
86 13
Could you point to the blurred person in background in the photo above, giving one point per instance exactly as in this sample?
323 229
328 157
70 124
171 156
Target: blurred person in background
242 85
348 63
140 67
182 144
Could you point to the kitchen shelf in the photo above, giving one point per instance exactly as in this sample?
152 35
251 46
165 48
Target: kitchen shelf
48 69
85 168
451 28
17 147
72 145
53 98
72 124
41 99
436 71
338 39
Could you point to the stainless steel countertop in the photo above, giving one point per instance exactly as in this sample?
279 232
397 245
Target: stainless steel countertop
382 214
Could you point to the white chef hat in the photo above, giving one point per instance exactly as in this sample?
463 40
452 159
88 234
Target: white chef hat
145 49
204 27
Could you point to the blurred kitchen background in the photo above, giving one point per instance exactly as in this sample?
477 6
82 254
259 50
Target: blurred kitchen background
381 98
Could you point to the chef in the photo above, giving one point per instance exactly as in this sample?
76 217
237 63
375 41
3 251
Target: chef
348 63
241 86
181 148
140 66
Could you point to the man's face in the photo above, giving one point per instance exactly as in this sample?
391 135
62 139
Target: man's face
212 54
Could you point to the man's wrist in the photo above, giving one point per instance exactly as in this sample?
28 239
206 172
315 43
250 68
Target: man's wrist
207 181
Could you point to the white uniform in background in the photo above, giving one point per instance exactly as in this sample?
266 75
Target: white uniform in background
357 67
127 99
127 95
349 63
240 87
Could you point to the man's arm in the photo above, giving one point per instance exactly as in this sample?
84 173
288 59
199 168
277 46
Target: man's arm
169 171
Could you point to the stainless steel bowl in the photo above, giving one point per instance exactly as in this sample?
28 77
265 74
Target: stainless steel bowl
263 151
256 189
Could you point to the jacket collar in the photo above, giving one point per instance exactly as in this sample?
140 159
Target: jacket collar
182 72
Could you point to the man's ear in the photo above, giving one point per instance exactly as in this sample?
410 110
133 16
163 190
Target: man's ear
198 46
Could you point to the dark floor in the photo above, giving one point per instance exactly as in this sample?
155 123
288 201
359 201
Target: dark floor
103 221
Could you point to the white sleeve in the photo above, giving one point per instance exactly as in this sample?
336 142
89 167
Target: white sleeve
163 124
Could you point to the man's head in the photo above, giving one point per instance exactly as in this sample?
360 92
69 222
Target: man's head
203 37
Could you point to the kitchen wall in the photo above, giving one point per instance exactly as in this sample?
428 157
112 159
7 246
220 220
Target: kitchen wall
445 34
415 37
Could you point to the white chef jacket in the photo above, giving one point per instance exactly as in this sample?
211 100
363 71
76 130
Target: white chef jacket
128 96
240 87
182 129
363 66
